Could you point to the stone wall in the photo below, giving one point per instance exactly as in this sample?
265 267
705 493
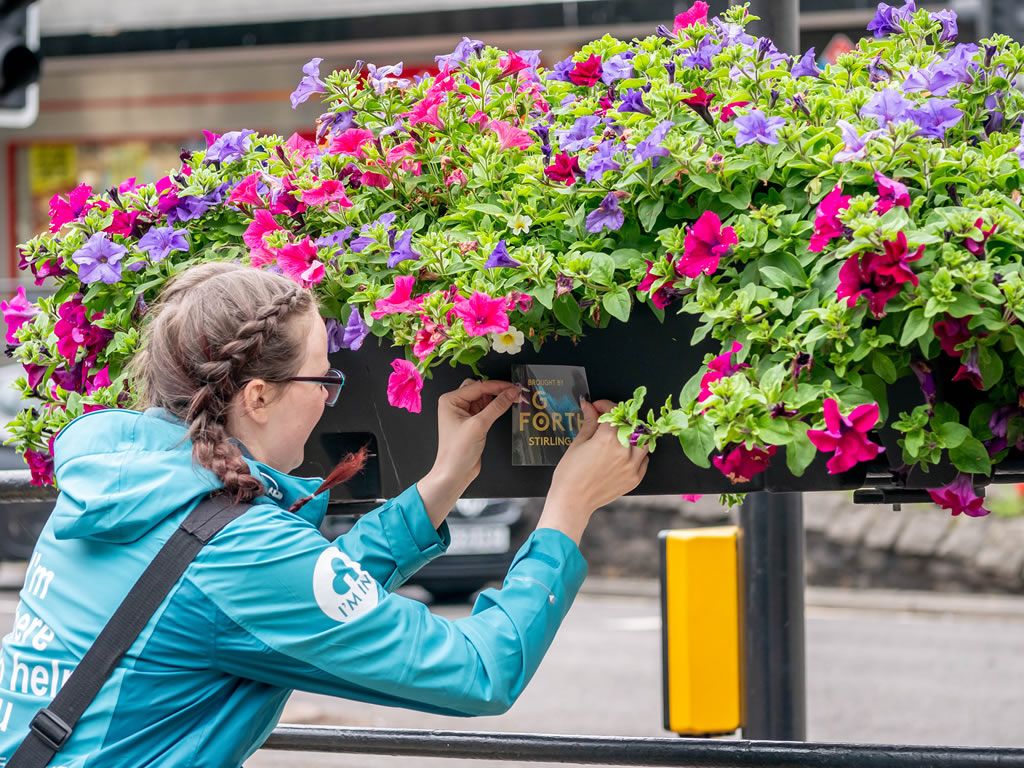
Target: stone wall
850 545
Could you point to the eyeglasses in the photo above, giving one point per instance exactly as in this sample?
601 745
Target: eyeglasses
332 382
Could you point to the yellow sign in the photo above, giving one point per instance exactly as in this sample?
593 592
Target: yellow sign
52 168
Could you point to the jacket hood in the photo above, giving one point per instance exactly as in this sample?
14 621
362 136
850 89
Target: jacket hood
121 473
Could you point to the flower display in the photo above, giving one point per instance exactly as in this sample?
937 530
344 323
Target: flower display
839 228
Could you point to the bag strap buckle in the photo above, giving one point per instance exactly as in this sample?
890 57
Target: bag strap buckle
53 731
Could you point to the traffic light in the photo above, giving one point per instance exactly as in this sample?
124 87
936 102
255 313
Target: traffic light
19 63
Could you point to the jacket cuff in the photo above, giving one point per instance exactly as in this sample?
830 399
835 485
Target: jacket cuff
414 540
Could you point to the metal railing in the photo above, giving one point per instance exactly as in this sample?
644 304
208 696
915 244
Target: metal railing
593 750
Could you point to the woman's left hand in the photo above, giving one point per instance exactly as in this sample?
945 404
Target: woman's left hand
464 416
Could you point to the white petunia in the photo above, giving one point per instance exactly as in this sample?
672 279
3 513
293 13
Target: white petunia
509 342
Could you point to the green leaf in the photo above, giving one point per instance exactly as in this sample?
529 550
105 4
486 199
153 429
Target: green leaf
698 442
971 456
915 327
774 277
649 212
991 366
545 294
882 365
490 210
567 310
617 303
801 452
964 306
602 269
952 434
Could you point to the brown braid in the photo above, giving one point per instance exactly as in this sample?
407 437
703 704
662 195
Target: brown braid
216 327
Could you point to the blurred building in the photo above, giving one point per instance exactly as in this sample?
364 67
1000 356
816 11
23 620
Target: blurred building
128 84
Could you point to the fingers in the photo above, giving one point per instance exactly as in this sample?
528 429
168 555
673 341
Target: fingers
604 406
502 401
590 425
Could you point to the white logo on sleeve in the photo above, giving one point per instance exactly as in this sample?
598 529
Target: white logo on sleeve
343 590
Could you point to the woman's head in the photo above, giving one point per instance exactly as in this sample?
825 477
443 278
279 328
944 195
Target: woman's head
218 350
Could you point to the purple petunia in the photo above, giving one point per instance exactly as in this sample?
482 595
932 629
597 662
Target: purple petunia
99 260
309 84
356 331
935 117
937 79
856 145
338 238
402 250
193 207
580 136
888 106
960 60
608 215
160 242
617 67
807 66
230 147
381 77
500 257
466 48
650 148
701 56
602 161
731 34
947 19
755 126
888 20
633 101
562 70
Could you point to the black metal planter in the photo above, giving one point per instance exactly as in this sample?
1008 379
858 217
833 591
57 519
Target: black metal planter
617 359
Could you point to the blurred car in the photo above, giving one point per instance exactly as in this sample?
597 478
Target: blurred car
20 522
486 533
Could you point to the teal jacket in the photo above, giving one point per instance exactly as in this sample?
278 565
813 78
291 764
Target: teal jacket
268 606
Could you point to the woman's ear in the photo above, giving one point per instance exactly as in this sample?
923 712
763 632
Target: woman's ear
254 399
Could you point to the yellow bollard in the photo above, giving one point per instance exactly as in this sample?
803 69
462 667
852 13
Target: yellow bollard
700 631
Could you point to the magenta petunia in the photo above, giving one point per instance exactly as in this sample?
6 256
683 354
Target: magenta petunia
707 241
62 211
959 497
18 311
350 142
891 194
720 367
977 247
846 437
586 72
663 296
400 300
742 464
563 169
827 226
482 314
695 14
41 467
247 192
951 332
330 193
298 261
262 224
510 137
404 386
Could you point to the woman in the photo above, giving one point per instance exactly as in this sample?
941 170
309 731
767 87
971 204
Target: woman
269 605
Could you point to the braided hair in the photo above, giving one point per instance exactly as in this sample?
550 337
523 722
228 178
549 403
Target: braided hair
215 327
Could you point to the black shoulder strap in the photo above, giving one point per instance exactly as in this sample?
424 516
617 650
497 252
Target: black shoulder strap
52 726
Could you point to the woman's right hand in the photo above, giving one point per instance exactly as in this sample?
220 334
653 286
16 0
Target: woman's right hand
595 470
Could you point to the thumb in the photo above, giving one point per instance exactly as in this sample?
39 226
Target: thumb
589 427
501 403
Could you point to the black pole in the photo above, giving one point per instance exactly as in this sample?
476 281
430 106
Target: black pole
774 694
780 21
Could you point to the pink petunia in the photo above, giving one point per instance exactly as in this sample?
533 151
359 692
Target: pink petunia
959 497
729 110
350 142
563 169
977 247
691 497
301 148
18 311
891 194
400 300
426 111
742 464
846 436
457 176
263 223
827 226
246 192
404 386
720 367
951 332
41 467
512 64
374 179
330 193
510 137
299 262
482 315
707 241
62 211
662 297
878 277
98 381
427 339
695 14
123 223
587 72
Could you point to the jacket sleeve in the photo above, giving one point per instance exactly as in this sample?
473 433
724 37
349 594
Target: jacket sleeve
396 539
296 611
